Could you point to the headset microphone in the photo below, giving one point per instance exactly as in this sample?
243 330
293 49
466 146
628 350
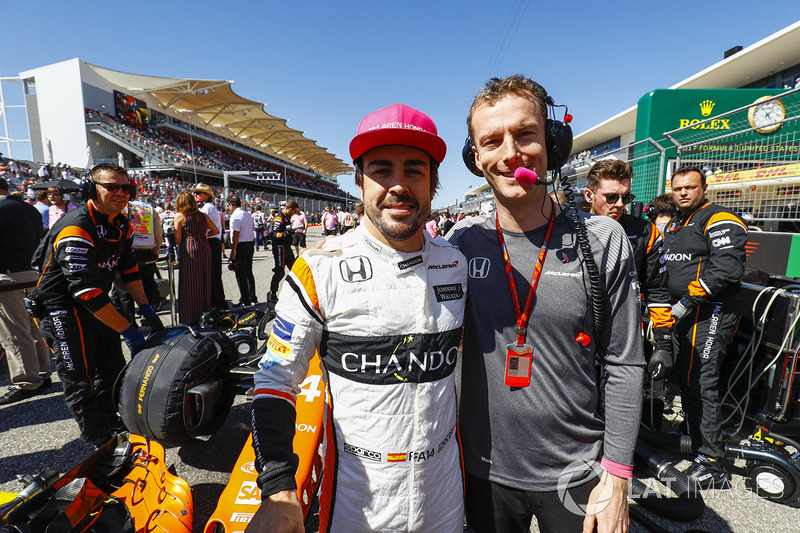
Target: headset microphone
526 176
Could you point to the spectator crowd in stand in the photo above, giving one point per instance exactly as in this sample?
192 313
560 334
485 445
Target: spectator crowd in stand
191 150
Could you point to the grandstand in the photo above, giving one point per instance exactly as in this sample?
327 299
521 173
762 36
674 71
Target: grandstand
178 129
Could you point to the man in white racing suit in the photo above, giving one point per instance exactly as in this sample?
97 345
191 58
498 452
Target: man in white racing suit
384 305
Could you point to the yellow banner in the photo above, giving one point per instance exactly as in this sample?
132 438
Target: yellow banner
140 216
755 174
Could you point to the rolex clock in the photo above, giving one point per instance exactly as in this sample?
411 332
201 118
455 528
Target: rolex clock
766 117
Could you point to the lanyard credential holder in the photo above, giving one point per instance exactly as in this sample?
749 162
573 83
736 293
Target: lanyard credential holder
519 358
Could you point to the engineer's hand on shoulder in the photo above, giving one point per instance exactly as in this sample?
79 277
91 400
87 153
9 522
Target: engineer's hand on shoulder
608 506
279 513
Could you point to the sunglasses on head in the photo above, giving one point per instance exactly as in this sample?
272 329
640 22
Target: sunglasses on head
612 198
128 188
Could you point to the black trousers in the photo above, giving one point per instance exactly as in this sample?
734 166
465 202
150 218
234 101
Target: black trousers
261 240
283 257
89 359
217 290
700 341
492 507
244 273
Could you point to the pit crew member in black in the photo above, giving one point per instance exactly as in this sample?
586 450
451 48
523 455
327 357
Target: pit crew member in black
705 252
533 450
78 261
608 191
280 233
384 305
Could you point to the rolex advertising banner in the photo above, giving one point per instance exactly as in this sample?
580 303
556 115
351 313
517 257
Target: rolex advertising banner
665 110
744 140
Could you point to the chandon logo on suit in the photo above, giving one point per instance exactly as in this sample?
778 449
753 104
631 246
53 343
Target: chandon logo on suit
479 267
109 263
391 359
355 269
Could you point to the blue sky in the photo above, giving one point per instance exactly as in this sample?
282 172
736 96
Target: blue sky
324 65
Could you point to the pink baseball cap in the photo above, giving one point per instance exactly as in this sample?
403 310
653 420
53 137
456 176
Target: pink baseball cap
398 124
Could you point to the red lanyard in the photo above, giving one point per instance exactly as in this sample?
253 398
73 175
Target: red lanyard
524 315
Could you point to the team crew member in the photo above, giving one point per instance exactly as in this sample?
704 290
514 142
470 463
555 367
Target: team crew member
529 397
78 261
661 211
608 191
242 249
384 305
280 233
705 251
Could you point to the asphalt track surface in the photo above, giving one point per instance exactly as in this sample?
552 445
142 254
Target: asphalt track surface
39 433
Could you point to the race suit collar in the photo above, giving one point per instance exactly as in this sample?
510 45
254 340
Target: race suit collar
680 221
110 230
402 262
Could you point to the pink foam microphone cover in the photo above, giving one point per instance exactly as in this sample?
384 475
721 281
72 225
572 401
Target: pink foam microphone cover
526 176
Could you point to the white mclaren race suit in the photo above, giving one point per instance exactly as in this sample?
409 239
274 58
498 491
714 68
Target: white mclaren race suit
387 326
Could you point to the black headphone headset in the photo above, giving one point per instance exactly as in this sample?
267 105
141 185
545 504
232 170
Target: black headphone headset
88 187
558 142
650 211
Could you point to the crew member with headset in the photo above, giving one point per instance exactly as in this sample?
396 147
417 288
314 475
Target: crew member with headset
534 442
78 260
705 253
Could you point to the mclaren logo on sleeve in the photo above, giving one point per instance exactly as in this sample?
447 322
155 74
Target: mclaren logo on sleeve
479 267
454 264
355 269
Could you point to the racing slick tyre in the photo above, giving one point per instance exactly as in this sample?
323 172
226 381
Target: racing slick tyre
177 389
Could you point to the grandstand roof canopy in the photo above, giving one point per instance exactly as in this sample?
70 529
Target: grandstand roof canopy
213 104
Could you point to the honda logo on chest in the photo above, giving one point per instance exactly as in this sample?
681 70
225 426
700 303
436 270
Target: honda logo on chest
479 267
355 269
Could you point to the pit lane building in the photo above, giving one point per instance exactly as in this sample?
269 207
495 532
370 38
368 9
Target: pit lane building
736 119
